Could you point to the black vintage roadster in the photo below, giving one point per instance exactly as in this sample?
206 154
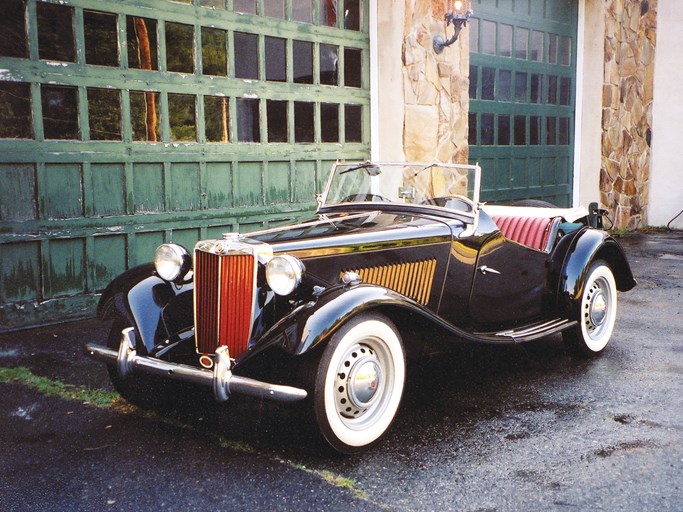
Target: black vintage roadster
331 310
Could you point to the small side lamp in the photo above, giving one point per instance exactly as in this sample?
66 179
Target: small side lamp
459 19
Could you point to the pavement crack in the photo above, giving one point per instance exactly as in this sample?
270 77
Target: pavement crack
625 446
96 448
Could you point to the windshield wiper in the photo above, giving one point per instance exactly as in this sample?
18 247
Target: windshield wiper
425 168
371 168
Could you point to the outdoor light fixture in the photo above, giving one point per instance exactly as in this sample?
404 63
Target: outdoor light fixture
458 18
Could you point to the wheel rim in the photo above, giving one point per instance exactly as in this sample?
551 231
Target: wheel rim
362 384
599 309
360 381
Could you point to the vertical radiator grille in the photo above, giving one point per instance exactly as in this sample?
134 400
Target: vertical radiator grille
224 292
412 279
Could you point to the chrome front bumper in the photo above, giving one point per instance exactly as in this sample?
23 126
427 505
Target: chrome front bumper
221 379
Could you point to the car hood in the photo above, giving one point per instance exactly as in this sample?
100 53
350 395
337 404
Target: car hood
356 232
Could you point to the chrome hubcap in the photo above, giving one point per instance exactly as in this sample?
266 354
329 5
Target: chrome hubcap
598 308
359 382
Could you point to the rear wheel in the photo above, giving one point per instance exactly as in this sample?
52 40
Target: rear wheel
359 383
596 312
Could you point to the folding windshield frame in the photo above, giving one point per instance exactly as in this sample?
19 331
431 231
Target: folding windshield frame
404 207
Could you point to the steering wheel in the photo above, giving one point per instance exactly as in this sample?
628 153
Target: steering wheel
365 198
453 202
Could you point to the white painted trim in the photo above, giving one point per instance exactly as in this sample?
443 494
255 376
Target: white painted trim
374 82
665 199
578 102
590 70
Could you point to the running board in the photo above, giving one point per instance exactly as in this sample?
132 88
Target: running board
527 332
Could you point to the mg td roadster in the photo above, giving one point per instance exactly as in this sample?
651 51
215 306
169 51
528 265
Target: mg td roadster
332 310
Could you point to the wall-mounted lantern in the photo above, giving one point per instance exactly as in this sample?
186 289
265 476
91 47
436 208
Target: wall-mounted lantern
458 18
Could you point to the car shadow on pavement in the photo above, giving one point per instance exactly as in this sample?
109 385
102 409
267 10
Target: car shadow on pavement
450 388
448 392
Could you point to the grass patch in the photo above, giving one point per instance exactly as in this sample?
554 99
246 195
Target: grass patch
341 481
235 446
332 478
95 397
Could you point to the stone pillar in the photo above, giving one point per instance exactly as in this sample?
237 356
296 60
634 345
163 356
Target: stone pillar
630 42
435 86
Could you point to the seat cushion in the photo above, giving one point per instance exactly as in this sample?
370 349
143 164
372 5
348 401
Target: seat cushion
533 232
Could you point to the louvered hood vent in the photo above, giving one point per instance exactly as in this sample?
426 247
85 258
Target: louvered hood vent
412 279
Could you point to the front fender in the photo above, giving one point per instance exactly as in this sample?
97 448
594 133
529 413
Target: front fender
313 322
588 246
140 297
318 324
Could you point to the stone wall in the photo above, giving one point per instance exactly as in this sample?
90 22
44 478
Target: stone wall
630 42
435 87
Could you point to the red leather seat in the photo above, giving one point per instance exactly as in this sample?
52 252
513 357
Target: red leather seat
533 232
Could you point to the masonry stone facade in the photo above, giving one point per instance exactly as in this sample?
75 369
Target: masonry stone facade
435 87
630 42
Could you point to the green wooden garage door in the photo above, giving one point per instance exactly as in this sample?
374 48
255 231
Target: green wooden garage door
522 83
127 123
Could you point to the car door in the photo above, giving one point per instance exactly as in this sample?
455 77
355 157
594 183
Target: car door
508 285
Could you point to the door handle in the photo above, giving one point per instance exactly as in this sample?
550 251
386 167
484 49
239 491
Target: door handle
484 270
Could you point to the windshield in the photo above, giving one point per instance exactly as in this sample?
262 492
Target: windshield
444 185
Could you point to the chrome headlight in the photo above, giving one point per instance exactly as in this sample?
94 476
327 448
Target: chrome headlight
283 274
172 262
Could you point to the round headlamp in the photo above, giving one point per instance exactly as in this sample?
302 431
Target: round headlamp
283 274
172 262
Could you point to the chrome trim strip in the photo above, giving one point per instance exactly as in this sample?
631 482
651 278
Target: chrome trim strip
404 208
323 252
528 332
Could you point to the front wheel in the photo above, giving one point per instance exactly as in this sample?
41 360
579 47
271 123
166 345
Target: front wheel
359 383
596 313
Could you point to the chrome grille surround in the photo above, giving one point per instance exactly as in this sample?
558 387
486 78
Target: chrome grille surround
224 293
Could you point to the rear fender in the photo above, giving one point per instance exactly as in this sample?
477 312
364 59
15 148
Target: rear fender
588 246
140 297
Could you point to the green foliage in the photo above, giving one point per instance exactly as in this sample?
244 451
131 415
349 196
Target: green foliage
181 113
15 110
214 51
138 114
104 110
179 47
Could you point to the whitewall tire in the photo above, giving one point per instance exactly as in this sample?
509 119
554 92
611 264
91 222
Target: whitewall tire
596 312
359 383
